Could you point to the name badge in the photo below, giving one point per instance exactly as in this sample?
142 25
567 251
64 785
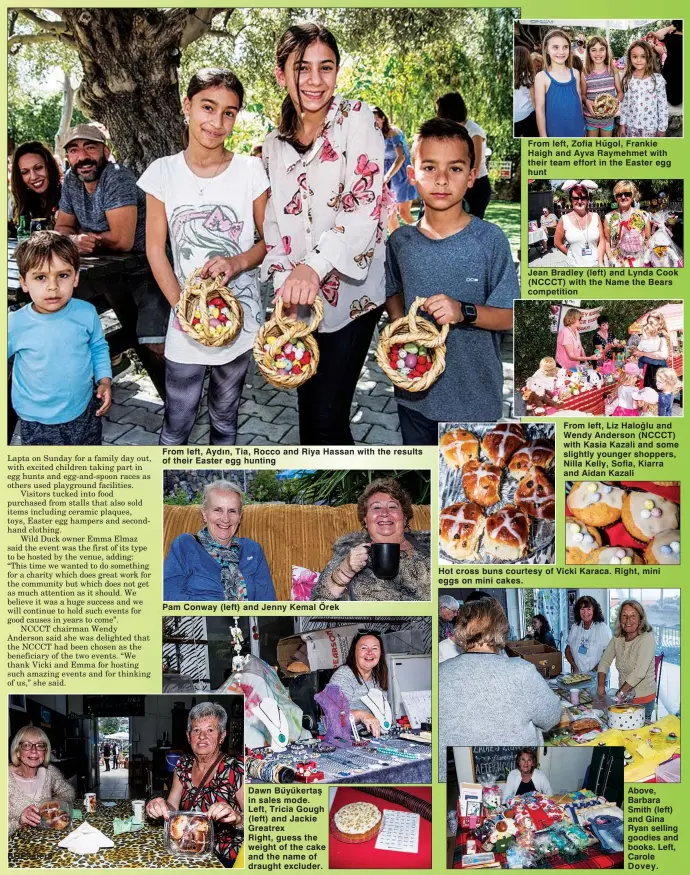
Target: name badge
582 649
586 250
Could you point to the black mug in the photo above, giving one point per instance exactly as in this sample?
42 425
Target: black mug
385 560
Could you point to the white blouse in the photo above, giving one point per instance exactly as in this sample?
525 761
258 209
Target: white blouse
325 210
587 646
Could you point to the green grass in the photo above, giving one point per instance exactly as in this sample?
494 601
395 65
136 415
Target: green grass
507 216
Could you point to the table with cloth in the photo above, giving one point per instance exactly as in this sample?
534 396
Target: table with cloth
36 848
362 765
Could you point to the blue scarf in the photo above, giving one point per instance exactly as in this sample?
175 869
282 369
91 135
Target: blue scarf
228 557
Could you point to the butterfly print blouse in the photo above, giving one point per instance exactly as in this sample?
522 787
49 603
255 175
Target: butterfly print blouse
325 210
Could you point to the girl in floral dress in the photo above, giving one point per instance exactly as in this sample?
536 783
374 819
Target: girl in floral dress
644 110
324 223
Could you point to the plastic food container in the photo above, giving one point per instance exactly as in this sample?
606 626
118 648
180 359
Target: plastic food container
668 773
56 814
189 833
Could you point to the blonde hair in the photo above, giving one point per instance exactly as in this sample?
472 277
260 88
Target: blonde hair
571 317
552 34
660 322
481 622
651 408
628 379
626 183
644 624
22 736
548 364
669 379
589 63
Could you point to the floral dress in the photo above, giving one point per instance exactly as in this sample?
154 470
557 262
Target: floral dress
644 109
325 210
627 238
221 787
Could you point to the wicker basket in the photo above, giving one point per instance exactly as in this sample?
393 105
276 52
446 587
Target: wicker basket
194 313
605 106
421 332
278 332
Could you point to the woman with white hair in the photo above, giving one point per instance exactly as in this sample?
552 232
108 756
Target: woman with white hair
447 612
208 780
32 780
214 564
632 647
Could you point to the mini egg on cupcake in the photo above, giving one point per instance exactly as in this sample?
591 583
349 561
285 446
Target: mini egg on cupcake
580 541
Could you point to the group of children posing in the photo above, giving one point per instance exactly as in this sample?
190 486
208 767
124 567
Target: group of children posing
317 230
559 100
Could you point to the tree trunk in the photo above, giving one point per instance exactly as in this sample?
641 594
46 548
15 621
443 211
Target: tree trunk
130 60
65 115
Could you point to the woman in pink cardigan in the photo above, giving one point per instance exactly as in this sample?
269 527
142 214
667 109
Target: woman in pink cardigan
569 350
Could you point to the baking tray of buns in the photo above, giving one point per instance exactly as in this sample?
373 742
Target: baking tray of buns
496 493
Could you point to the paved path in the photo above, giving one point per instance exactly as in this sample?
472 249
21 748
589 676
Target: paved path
268 415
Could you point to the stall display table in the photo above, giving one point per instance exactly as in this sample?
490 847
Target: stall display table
591 858
363 765
592 401
38 848
365 856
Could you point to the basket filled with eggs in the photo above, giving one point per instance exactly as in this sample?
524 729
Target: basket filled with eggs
497 493
412 351
285 350
208 312
604 106
622 523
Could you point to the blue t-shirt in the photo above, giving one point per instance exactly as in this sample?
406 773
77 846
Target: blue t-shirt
117 187
474 266
57 357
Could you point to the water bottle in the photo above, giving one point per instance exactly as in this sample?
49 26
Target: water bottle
23 228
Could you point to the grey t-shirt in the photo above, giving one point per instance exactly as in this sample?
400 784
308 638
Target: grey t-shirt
117 187
345 678
474 266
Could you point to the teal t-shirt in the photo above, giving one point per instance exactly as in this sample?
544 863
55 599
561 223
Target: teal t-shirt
475 266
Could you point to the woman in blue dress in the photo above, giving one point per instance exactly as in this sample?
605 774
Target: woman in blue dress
396 160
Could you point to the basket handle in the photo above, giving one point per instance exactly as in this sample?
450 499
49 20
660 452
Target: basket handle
295 327
412 322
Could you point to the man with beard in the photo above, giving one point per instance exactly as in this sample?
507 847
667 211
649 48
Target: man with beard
103 210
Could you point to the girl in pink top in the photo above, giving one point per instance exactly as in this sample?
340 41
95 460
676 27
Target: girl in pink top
569 350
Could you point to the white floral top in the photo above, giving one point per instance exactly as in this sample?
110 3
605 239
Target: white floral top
644 106
326 210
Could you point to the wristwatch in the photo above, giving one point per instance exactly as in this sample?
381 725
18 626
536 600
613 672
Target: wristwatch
469 313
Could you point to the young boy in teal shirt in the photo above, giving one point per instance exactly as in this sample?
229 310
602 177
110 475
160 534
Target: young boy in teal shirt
59 349
463 266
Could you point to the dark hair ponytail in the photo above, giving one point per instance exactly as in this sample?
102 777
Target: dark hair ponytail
298 38
212 77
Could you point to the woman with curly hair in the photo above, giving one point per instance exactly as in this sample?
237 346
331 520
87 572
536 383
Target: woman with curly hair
385 511
588 637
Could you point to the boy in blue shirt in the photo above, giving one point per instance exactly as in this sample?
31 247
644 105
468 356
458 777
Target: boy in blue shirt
59 349
464 268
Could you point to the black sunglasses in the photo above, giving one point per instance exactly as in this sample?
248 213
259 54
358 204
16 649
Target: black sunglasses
624 194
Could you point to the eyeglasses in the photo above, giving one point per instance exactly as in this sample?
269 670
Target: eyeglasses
579 198
624 194
28 745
